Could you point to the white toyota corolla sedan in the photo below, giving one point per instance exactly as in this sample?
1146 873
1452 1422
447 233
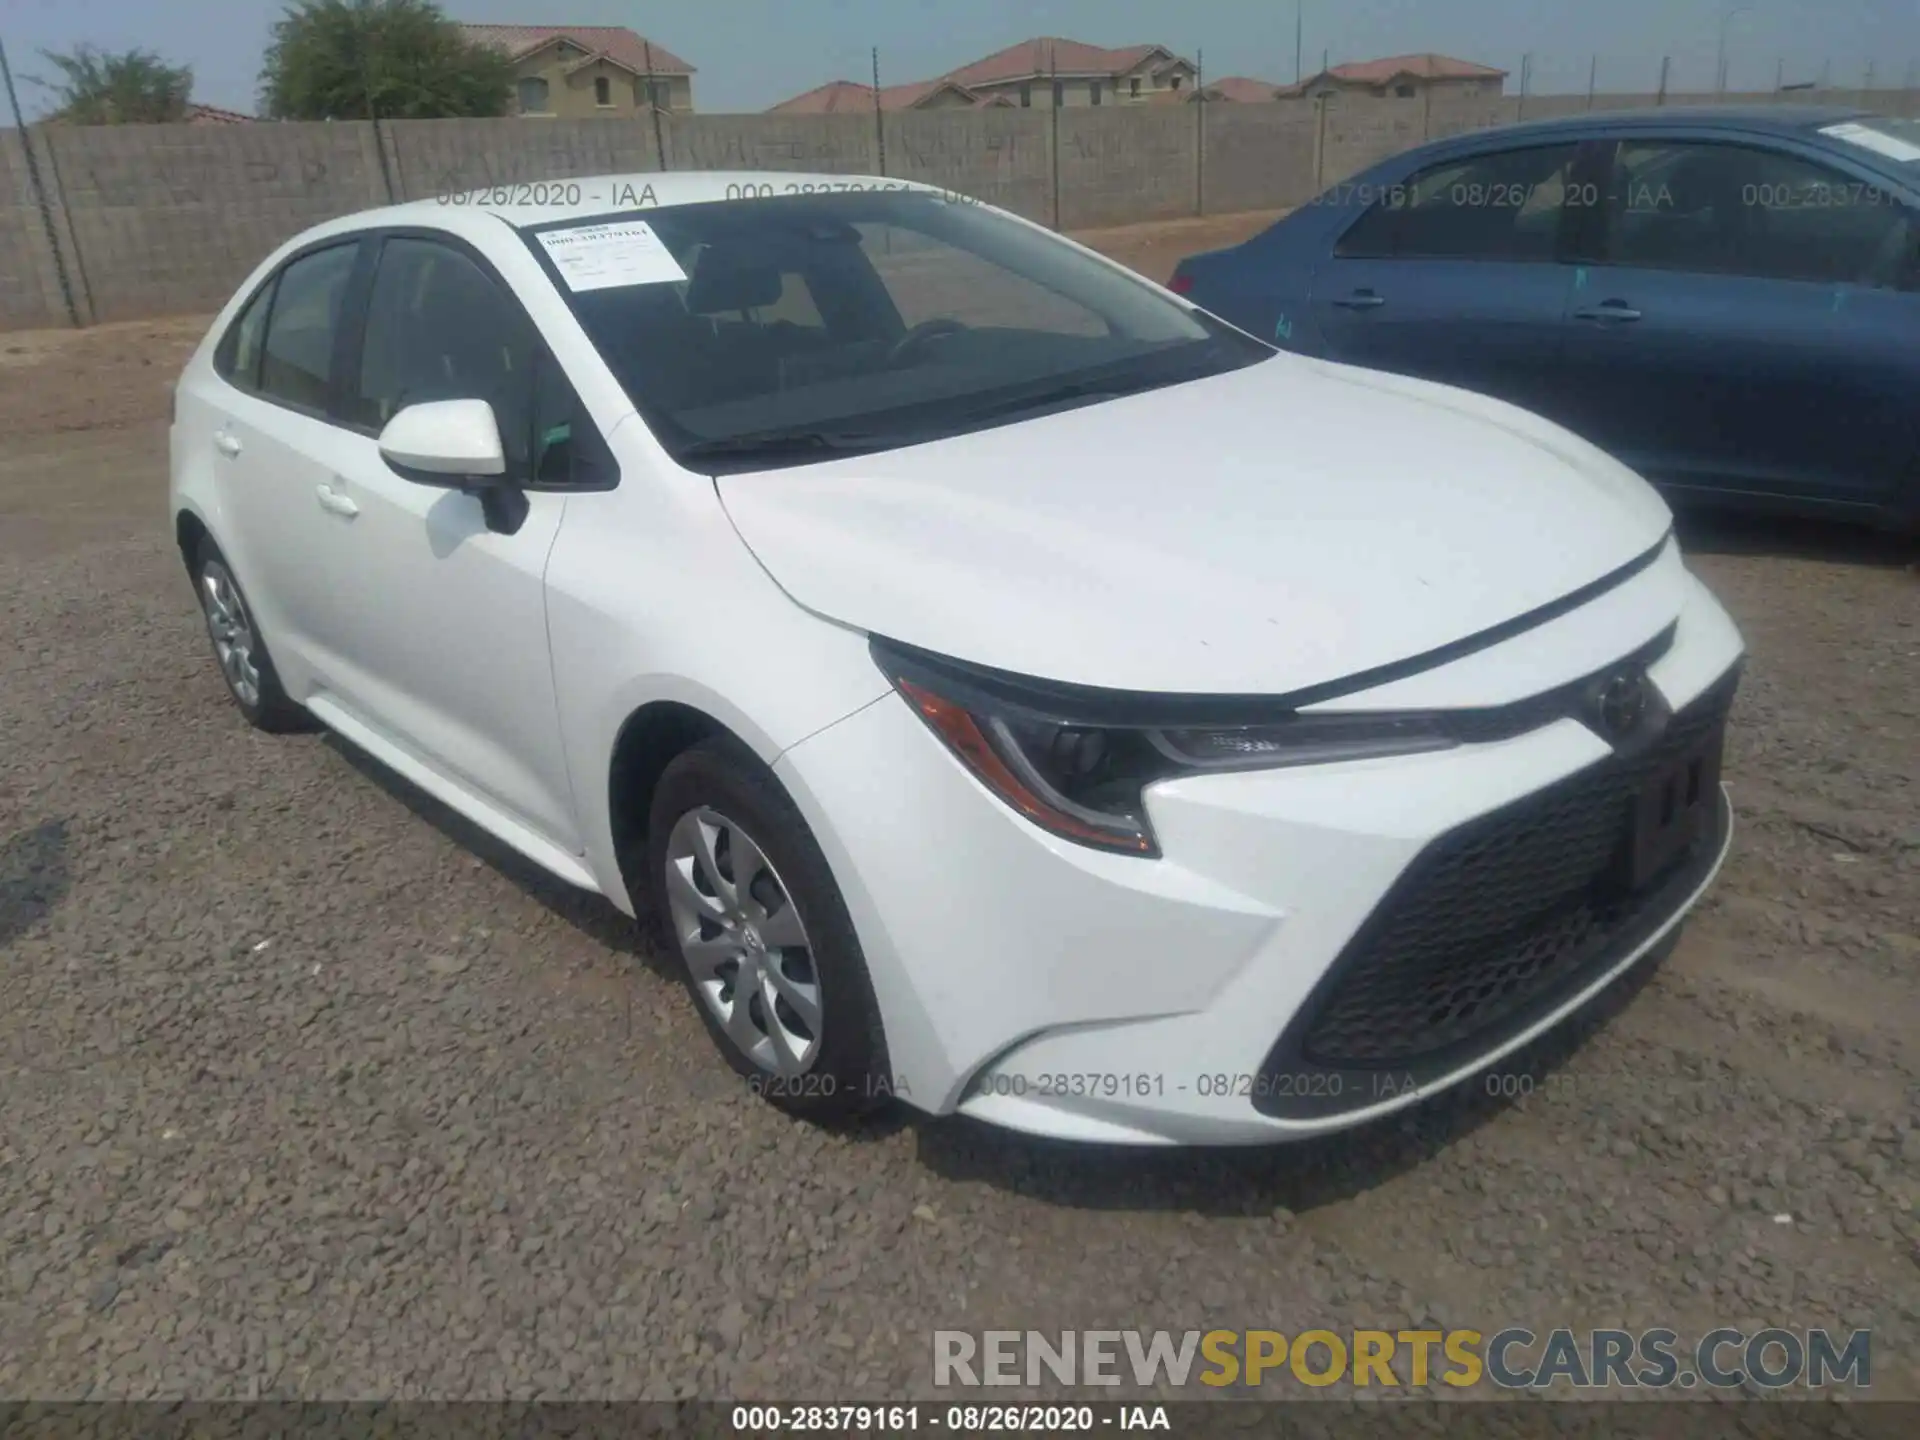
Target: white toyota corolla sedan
1008 688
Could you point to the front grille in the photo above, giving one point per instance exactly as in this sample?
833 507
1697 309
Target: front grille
1492 925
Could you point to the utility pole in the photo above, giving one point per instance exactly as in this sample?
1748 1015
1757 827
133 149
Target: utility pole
1666 62
1593 73
39 193
653 104
1199 132
1720 67
1298 27
879 125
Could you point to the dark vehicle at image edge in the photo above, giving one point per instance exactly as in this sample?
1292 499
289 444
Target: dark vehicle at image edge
1727 299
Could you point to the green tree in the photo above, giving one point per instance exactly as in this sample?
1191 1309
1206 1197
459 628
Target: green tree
107 87
394 59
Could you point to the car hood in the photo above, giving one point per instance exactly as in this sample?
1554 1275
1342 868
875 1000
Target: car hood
1281 526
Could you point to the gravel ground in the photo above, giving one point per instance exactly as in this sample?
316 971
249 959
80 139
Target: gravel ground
307 1090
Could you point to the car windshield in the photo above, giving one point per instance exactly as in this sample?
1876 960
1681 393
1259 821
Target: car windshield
778 331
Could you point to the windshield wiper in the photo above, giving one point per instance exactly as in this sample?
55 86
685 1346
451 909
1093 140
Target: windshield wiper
1072 394
774 444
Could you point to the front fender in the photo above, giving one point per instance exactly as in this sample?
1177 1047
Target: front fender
652 596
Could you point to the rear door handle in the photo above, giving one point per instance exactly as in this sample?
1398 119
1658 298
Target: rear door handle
1611 310
1361 300
332 499
227 444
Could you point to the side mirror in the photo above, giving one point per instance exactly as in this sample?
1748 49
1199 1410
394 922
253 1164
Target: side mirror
455 444
452 443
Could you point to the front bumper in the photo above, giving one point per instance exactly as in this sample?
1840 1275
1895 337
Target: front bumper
1049 988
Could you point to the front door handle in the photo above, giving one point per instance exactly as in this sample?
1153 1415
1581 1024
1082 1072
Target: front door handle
1611 310
227 444
1361 300
332 499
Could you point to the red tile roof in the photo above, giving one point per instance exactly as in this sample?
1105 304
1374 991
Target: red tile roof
616 42
1048 56
198 114
839 97
1424 67
1242 88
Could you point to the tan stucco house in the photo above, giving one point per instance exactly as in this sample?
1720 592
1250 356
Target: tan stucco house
1404 77
842 97
1035 74
580 72
1043 72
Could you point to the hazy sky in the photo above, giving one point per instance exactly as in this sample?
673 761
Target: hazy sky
751 53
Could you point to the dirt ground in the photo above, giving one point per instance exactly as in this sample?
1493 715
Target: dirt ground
306 1090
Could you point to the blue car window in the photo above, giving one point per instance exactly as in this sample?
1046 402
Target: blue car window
1502 206
1743 210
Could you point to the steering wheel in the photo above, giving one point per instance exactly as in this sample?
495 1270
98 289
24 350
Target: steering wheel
920 334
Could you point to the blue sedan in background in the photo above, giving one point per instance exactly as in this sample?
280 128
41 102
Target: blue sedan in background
1726 299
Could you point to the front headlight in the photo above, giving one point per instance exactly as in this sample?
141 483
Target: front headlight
1077 762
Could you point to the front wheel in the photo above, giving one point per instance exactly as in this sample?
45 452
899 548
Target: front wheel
766 945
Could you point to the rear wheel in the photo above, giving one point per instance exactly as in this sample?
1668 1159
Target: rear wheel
244 663
768 951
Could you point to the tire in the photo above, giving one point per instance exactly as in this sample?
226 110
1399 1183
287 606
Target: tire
825 1064
245 666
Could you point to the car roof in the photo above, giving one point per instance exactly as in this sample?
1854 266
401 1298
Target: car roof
1773 119
524 204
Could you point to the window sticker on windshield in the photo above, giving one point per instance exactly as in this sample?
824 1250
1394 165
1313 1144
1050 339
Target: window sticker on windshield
602 257
1867 138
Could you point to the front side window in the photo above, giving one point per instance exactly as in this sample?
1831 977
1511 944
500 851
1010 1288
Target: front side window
533 95
602 90
1503 206
296 360
441 328
1742 210
882 318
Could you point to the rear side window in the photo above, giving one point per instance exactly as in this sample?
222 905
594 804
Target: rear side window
1719 209
1504 206
296 365
238 358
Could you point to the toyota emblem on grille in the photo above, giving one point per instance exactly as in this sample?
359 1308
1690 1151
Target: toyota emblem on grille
1621 704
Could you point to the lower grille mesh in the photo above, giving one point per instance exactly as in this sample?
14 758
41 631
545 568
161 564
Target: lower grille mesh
1492 916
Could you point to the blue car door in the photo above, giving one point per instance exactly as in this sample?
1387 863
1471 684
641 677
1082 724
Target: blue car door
1456 274
1741 325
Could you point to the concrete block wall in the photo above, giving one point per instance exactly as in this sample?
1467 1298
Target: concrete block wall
829 144
1004 157
431 158
167 219
1258 157
158 219
1118 164
29 282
